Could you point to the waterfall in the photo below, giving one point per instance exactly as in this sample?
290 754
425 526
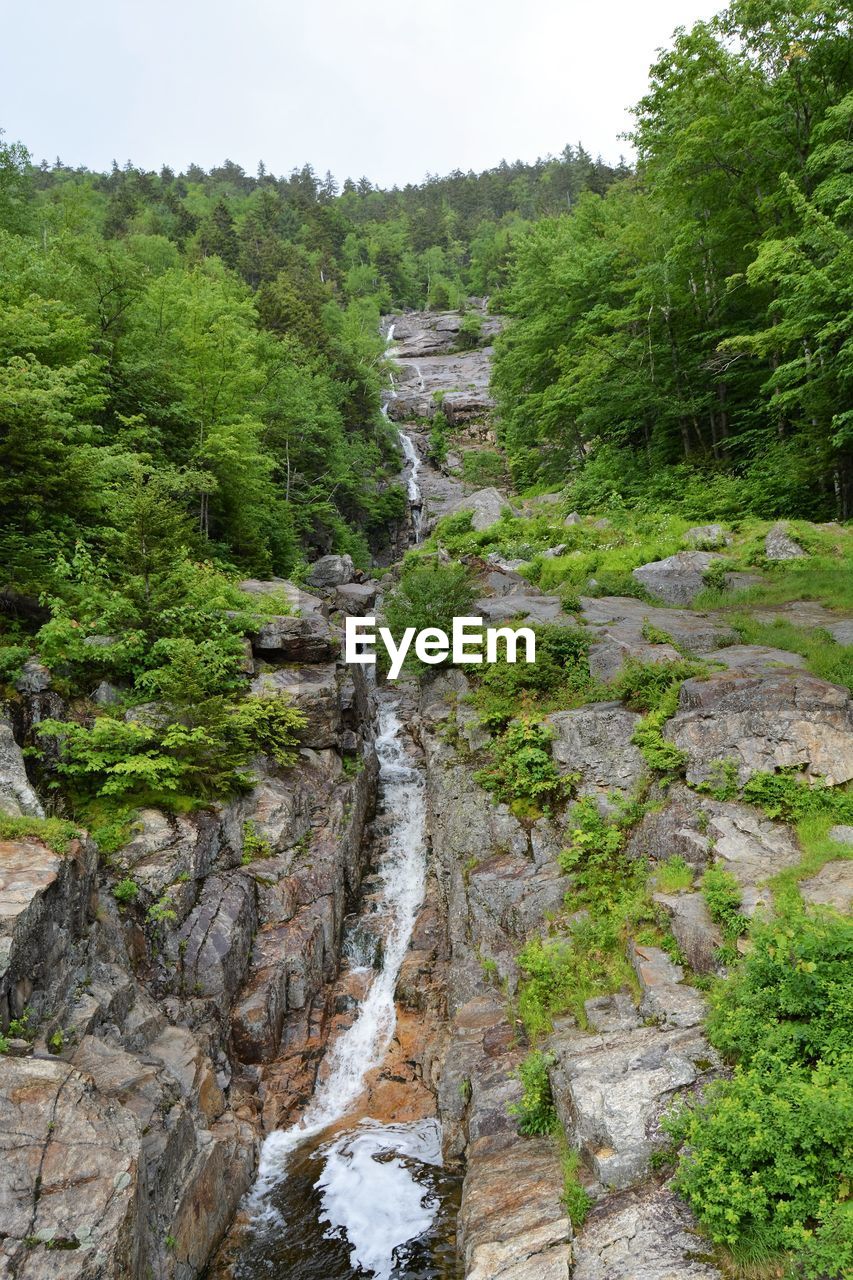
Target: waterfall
373 1226
416 501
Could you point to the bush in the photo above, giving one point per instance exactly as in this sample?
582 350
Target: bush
470 331
766 1155
536 1111
482 467
429 594
522 773
558 679
722 895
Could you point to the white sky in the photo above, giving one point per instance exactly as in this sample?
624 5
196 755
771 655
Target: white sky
355 86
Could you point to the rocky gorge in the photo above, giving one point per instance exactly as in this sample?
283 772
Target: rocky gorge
157 1042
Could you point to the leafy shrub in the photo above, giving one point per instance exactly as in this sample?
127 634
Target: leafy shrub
558 679
722 895
470 331
204 755
575 1197
254 845
766 1155
536 1111
12 659
126 891
645 686
483 467
789 796
522 773
429 594
439 430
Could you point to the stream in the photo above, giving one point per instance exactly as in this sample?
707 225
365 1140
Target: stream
340 1194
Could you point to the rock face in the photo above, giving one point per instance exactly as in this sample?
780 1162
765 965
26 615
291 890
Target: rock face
779 545
300 640
641 1235
762 723
17 796
596 742
832 886
301 601
617 624
135 1137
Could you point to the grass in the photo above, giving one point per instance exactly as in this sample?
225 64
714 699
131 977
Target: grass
56 833
824 656
818 849
673 876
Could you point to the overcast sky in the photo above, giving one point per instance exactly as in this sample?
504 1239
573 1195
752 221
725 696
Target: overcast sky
356 86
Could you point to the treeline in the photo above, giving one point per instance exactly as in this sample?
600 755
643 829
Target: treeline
690 331
214 338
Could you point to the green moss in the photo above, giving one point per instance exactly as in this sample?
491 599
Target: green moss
56 833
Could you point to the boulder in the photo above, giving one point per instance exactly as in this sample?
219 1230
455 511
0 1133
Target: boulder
611 1090
678 579
707 537
486 506
647 1234
520 605
595 741
571 519
357 598
331 571
282 639
34 678
779 720
779 545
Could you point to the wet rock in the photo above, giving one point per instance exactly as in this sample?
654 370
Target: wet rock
667 998
832 886
678 579
698 938
779 545
70 1173
312 690
648 1234
762 723
305 640
611 1090
17 796
706 537
331 571
595 741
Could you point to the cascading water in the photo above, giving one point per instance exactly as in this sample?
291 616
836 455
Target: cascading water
371 1200
410 453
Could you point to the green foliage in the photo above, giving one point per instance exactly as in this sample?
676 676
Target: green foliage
575 1197
200 749
723 782
673 875
722 895
535 1111
521 772
126 891
162 912
12 659
648 686
438 433
789 796
557 680
470 331
254 845
56 833
429 594
483 467
766 1154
